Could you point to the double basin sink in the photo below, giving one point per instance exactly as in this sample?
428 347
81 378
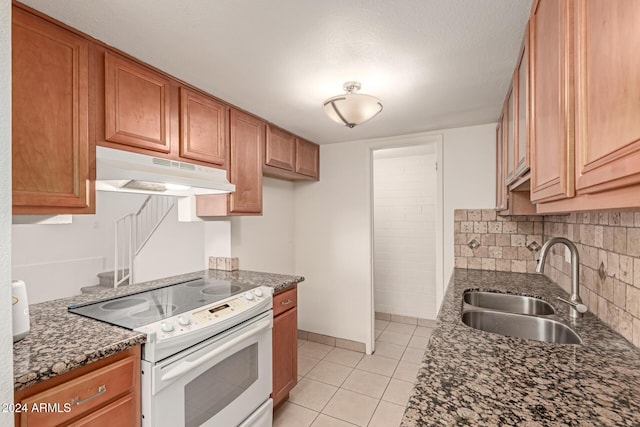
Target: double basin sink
515 316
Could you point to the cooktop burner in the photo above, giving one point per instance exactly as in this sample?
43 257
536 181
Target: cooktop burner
122 303
142 308
221 290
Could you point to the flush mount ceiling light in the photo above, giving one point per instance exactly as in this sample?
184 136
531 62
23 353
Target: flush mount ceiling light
352 108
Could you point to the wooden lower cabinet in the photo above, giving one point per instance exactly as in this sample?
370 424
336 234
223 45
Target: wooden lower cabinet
103 393
285 345
119 413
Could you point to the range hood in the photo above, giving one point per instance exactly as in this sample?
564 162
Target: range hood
124 171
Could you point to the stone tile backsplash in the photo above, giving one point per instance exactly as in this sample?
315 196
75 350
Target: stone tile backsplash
485 241
609 248
608 244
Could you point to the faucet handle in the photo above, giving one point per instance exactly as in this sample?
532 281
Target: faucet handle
580 308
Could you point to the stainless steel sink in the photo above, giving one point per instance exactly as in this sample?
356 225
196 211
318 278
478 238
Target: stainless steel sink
508 302
521 326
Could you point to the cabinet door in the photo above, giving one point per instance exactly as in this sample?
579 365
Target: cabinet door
307 158
551 117
607 94
285 354
247 135
522 95
51 149
280 149
501 188
136 105
510 137
203 131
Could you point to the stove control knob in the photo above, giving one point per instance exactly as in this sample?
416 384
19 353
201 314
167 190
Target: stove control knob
166 326
184 321
258 292
249 296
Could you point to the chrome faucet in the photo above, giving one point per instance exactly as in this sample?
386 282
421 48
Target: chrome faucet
577 307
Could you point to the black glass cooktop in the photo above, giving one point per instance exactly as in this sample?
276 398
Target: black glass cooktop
141 308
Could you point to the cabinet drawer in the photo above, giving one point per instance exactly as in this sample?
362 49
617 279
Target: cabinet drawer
121 413
81 395
284 301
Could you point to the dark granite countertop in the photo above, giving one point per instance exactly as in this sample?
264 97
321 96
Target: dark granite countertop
60 341
474 378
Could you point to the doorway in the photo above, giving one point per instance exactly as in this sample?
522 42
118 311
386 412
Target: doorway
406 229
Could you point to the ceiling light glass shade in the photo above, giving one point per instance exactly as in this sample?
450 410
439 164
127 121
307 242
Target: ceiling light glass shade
352 108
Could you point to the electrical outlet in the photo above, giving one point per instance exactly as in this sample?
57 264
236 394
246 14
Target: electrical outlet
567 254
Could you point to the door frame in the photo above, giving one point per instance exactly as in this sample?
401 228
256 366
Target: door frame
424 138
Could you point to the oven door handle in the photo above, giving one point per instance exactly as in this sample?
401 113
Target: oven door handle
187 365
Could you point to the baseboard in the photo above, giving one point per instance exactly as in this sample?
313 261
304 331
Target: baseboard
429 323
332 341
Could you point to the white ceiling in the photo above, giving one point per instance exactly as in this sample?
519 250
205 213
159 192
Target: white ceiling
435 64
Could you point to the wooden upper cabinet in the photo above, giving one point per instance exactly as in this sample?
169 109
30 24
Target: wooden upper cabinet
307 158
551 103
607 95
280 149
137 105
510 136
202 128
52 153
247 135
501 187
522 94
289 157
246 140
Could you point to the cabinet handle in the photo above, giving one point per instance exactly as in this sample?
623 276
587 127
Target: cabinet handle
287 302
101 390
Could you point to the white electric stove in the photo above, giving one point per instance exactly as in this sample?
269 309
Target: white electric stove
207 358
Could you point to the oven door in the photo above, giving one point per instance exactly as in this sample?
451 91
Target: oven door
219 382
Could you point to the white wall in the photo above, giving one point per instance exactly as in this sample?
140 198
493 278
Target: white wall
265 243
6 336
332 242
469 177
332 226
75 253
217 239
71 254
404 212
174 248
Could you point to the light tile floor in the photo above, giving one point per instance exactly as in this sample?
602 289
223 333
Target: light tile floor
338 387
